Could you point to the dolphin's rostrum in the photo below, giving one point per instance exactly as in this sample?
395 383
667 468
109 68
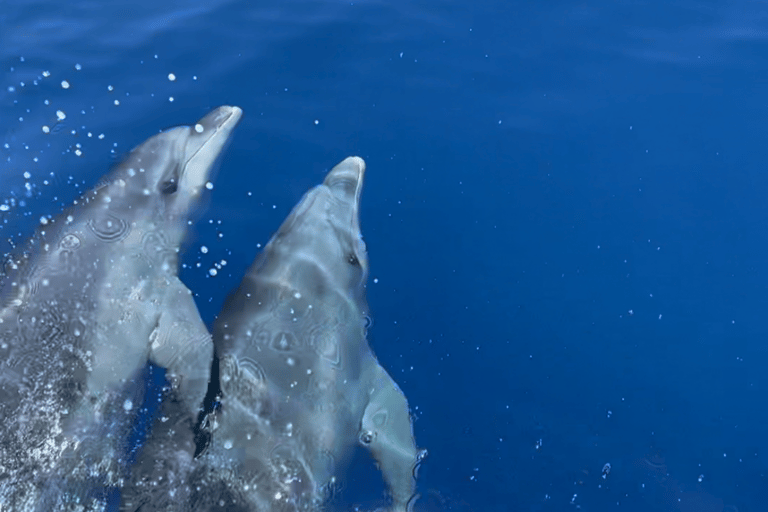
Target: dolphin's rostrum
92 298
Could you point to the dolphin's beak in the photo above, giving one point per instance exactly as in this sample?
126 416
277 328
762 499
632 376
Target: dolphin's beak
219 123
346 180
205 142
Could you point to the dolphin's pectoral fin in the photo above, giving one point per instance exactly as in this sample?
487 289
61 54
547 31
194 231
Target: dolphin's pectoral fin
181 344
387 432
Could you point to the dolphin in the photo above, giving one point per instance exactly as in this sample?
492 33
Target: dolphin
300 385
94 296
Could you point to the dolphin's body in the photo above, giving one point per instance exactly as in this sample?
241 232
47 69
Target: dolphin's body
94 296
300 384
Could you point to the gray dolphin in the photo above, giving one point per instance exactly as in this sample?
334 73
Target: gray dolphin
301 386
94 296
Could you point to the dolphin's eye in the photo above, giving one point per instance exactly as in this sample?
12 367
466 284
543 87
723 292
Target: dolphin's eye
352 259
168 187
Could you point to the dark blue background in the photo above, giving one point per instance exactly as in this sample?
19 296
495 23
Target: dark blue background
564 208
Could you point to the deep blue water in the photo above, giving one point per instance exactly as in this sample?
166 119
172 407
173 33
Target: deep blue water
564 210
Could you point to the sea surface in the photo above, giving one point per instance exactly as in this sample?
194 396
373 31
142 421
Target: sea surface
565 211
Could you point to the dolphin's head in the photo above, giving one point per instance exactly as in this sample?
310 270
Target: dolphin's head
158 187
167 173
324 228
146 201
186 158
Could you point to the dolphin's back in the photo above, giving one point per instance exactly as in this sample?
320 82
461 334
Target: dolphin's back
56 315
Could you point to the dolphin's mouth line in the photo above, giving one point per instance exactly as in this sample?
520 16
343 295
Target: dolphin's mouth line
358 192
356 204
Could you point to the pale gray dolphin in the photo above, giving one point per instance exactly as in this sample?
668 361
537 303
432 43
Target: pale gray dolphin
300 384
95 296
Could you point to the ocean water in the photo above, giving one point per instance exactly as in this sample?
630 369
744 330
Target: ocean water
564 210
